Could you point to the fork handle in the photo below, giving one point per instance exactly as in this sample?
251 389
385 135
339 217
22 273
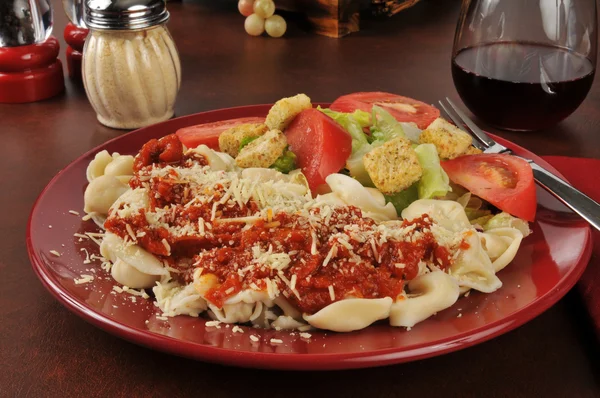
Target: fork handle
573 198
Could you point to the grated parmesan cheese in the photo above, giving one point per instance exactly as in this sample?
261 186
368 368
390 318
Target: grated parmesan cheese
332 252
87 255
130 232
84 279
166 245
313 245
215 324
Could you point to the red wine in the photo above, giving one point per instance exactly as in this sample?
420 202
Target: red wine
521 86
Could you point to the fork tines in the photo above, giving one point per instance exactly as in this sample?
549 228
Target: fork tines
482 141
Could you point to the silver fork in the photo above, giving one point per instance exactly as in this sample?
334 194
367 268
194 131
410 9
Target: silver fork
576 200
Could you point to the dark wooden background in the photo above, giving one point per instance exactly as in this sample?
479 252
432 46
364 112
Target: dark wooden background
47 351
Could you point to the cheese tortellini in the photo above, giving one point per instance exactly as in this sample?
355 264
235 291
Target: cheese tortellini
174 299
233 313
131 265
428 294
116 165
294 183
101 193
447 213
248 306
108 177
501 245
472 267
346 190
350 314
216 160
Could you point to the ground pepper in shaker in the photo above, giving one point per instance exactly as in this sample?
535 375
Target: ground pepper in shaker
131 68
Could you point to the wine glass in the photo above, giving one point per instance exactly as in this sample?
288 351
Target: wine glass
524 64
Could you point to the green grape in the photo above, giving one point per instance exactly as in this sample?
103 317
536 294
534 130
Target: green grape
254 25
246 7
264 8
275 26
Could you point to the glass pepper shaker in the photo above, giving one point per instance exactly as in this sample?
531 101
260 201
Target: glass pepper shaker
131 68
29 68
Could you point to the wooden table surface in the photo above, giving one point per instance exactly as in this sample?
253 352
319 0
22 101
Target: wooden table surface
46 350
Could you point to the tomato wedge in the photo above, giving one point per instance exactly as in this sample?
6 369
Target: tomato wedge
503 180
321 145
208 133
404 109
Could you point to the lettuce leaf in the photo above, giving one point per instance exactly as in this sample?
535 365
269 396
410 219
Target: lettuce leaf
353 123
477 214
435 181
362 117
385 127
411 131
356 166
246 140
505 220
402 200
285 163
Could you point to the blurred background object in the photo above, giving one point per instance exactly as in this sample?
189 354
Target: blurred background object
74 11
75 37
337 18
390 7
75 34
260 18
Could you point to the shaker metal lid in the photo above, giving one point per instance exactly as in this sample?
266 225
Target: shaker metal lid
124 14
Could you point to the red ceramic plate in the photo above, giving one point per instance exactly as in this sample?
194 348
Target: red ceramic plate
548 264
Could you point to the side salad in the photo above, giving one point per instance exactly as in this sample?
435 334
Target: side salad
396 145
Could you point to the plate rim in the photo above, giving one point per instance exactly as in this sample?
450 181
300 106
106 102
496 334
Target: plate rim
294 361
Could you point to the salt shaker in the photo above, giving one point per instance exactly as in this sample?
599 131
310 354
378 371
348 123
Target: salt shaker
131 68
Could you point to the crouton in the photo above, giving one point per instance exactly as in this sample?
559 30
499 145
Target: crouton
393 166
472 151
263 151
230 139
285 110
449 140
